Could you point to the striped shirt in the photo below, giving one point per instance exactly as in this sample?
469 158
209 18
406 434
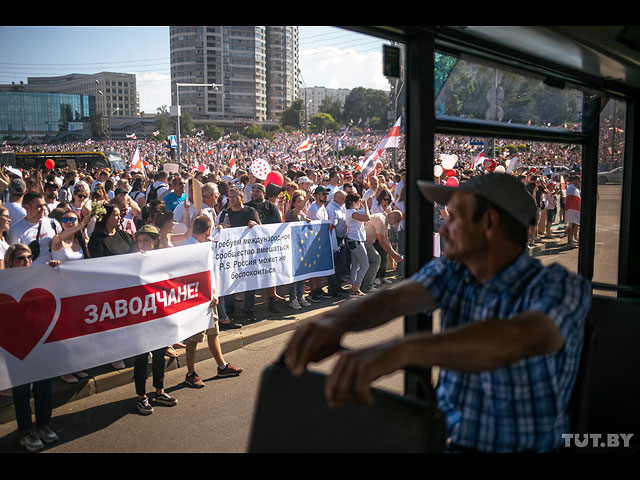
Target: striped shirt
521 407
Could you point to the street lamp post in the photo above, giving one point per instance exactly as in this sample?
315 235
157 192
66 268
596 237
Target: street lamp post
178 85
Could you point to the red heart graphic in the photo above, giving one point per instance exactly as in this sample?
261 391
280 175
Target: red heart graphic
23 323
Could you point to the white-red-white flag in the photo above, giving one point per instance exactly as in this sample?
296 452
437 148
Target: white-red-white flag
233 166
390 140
133 135
304 146
136 163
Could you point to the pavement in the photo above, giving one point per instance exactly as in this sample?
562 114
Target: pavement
269 324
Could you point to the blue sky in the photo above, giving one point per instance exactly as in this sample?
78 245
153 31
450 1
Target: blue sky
329 57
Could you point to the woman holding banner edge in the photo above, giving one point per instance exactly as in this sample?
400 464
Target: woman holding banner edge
19 255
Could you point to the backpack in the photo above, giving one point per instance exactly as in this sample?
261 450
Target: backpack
153 193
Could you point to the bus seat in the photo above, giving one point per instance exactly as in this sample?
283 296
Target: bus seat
607 391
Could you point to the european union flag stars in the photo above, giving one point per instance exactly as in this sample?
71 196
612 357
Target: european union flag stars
311 249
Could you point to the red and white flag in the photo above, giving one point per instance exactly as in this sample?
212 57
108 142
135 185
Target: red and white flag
391 140
133 135
79 315
136 163
479 159
304 146
233 166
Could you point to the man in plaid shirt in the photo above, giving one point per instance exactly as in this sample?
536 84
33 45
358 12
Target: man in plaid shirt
512 329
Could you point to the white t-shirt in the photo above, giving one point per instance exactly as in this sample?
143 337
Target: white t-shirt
16 211
317 212
355 228
25 232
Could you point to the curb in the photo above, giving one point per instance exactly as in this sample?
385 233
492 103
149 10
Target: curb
103 378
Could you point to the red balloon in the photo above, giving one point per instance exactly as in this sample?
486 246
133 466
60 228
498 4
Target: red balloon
451 173
274 177
452 182
202 167
49 164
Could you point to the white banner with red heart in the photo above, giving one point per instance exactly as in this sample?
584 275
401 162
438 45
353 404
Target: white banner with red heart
87 313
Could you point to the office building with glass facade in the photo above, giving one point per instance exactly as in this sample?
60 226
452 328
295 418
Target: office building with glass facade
33 115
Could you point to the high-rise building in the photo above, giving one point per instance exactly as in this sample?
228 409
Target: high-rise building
255 70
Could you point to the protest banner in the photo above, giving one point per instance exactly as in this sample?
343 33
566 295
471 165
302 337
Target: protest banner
270 255
92 312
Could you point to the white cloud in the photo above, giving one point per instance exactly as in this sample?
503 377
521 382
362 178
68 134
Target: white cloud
154 90
332 67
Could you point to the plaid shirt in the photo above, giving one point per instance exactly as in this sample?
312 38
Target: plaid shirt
520 407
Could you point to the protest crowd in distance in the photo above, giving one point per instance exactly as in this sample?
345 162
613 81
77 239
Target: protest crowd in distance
53 215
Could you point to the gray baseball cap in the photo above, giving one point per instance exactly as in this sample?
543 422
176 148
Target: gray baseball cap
502 189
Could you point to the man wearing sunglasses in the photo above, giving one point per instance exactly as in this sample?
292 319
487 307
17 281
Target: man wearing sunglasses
35 229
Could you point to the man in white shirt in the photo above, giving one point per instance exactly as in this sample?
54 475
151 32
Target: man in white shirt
35 225
317 211
334 184
337 215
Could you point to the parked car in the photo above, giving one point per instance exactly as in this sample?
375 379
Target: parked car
612 176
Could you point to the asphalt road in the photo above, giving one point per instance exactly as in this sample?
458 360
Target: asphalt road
214 419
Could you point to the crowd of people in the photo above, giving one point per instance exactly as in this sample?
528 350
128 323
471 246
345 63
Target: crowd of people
53 216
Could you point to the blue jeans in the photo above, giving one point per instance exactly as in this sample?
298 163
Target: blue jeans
359 263
296 290
42 399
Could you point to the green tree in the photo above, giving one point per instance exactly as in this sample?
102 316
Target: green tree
320 122
332 106
291 117
367 104
164 123
213 132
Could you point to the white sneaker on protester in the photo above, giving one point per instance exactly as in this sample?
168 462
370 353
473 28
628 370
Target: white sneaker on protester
376 281
304 302
31 442
386 280
295 305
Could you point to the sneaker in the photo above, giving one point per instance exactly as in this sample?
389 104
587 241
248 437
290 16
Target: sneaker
376 281
386 280
251 317
46 434
119 365
31 442
165 399
303 302
229 371
295 305
193 380
325 295
144 407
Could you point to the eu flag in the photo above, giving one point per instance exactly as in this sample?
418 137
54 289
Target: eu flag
311 248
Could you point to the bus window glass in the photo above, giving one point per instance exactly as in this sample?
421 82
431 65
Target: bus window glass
473 90
546 169
609 198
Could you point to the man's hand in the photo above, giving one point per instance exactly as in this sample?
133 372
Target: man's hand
350 380
311 343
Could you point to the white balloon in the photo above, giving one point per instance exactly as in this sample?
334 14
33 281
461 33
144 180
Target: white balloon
437 171
448 161
499 169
